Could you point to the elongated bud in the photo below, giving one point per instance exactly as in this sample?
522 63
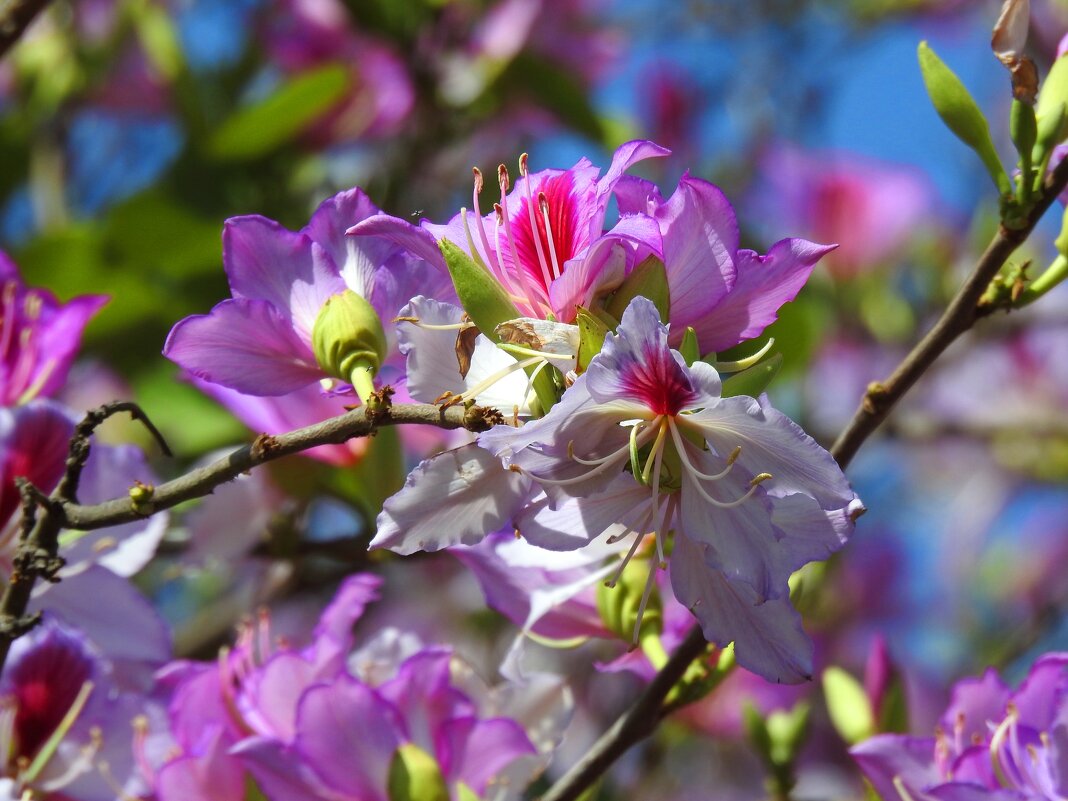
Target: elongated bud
1052 97
619 602
1023 126
960 113
414 775
349 342
849 706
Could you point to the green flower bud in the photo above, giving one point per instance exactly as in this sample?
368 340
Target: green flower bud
414 775
848 705
648 279
592 332
349 342
961 114
1052 95
619 602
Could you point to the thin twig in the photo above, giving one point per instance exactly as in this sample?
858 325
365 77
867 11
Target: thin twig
38 552
15 18
958 317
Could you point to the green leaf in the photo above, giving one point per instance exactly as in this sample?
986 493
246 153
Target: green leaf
753 381
592 332
690 349
257 130
648 279
488 305
848 705
961 113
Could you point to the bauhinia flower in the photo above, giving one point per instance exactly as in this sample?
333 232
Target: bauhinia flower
991 743
643 447
39 336
311 306
321 722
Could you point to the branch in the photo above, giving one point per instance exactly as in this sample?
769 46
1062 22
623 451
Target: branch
15 18
958 317
45 516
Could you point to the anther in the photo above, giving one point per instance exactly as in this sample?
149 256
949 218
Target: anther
479 182
502 178
523 164
759 479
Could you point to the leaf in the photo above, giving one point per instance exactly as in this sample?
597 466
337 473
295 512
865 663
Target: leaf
592 332
259 129
753 381
848 705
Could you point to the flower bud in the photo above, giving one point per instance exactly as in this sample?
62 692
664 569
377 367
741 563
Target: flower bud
619 602
848 705
1052 97
348 341
414 775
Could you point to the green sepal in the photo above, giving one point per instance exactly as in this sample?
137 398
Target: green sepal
961 113
1023 128
253 791
592 331
894 714
786 731
753 381
465 793
848 705
648 279
488 305
690 349
414 775
1054 93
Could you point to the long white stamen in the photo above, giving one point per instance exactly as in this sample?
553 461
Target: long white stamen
523 284
496 271
658 448
435 326
728 504
658 455
543 205
533 377
650 580
496 260
486 383
48 750
613 459
541 354
502 178
638 537
680 447
594 462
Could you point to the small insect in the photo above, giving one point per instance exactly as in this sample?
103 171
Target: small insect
417 213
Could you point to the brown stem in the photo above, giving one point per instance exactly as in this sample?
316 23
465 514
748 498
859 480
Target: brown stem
958 317
15 18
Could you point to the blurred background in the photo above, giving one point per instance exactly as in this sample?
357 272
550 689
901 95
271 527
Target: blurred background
131 129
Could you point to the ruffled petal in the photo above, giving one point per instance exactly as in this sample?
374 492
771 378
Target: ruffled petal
763 285
887 757
455 498
416 240
768 638
812 534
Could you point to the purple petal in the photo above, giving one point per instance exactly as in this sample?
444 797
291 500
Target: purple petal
356 259
700 244
600 271
281 772
211 775
265 261
768 637
773 443
122 624
456 497
423 695
957 791
812 534
626 155
33 445
272 694
973 703
888 756
740 541
480 749
1043 693
637 196
245 345
58 340
333 633
417 241
576 522
347 733
763 285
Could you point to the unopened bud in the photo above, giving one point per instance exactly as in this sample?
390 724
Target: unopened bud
348 340
619 601
414 775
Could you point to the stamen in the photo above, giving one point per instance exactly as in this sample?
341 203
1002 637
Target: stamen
593 462
48 750
521 271
530 382
486 383
32 306
34 389
543 206
728 504
613 459
649 582
461 326
743 364
140 748
541 354
658 447
518 277
611 583
534 223
899 785
490 254
10 290
684 457
658 522
25 360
